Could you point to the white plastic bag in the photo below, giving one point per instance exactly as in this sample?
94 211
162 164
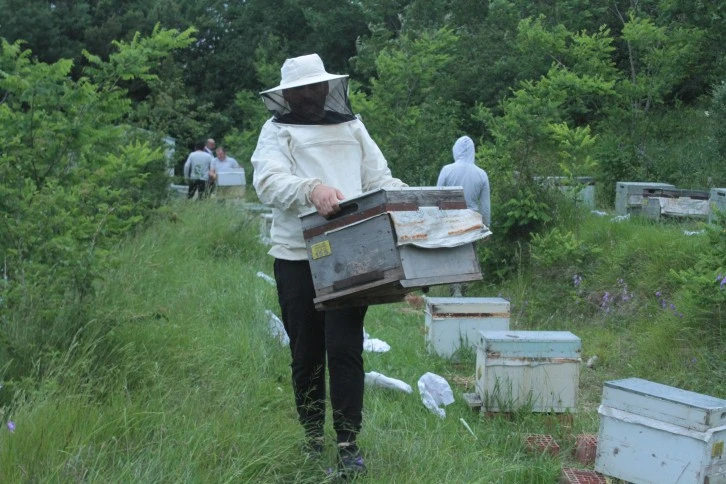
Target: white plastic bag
374 378
277 329
267 278
374 345
435 392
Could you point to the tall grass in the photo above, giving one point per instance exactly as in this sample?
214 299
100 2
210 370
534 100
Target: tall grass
179 380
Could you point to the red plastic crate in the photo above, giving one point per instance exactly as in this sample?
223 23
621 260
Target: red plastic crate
586 448
542 443
580 476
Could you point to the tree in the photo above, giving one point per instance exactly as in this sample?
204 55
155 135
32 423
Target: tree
410 111
74 178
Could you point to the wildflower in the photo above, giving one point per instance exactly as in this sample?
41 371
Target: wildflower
11 426
723 282
672 306
657 294
576 280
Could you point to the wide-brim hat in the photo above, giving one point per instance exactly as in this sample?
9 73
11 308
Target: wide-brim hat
303 70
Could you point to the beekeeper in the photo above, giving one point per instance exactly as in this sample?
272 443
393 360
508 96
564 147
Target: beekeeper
313 153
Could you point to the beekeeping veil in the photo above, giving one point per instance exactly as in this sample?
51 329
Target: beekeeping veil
301 97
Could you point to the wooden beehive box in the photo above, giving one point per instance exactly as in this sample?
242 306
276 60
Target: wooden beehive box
676 203
629 195
455 322
654 433
355 258
533 369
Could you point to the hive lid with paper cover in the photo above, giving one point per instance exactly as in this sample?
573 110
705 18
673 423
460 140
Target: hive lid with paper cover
388 242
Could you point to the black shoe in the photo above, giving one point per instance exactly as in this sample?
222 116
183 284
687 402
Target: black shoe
350 462
313 447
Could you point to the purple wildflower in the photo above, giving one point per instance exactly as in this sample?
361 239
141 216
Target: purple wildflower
657 294
723 282
672 306
11 426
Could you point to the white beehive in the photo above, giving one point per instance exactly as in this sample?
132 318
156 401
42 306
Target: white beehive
629 195
455 322
230 184
716 203
231 178
652 433
539 370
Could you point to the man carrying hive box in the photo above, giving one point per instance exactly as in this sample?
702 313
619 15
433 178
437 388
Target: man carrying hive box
319 169
313 153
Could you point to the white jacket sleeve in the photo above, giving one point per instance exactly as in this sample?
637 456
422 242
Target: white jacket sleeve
273 177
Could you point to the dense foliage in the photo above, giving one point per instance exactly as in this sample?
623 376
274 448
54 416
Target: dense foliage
76 177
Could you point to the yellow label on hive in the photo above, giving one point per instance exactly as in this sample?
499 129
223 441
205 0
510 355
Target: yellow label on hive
321 249
717 449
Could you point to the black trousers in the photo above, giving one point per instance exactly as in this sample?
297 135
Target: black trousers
337 334
197 185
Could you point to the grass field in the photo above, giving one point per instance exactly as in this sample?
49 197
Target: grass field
178 378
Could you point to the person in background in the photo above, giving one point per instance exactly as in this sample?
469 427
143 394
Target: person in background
209 146
221 163
465 173
196 171
314 153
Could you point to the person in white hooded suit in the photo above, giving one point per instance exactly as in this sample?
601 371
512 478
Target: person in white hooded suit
313 153
464 172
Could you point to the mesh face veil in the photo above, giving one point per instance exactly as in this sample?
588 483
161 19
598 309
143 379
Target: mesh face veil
307 94
309 104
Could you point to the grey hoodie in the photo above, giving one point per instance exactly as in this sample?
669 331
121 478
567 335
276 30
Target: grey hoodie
464 173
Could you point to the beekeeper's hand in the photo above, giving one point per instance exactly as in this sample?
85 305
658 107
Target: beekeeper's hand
326 199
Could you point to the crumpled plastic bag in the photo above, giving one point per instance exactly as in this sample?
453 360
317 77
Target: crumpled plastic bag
277 329
374 345
435 392
373 378
267 278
